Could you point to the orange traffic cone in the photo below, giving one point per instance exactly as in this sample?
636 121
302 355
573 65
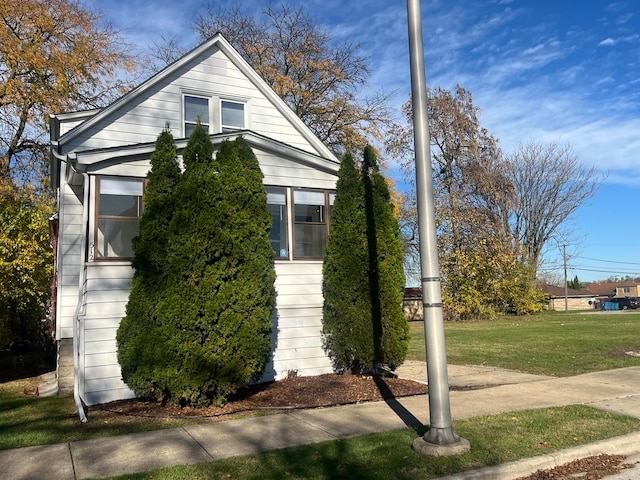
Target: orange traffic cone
37 392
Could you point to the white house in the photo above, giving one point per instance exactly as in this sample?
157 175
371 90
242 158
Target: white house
99 160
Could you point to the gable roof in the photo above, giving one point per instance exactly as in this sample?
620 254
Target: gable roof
215 41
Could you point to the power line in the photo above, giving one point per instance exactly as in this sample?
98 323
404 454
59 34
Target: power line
586 269
608 261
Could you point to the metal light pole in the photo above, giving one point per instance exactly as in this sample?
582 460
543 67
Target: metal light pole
566 285
440 435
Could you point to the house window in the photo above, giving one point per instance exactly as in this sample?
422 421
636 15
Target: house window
232 115
195 107
277 204
311 222
119 206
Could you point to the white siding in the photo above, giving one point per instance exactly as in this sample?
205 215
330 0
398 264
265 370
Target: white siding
69 258
108 288
297 327
281 172
138 168
142 119
69 125
299 320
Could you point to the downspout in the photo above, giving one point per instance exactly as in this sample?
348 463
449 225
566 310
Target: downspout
81 280
76 315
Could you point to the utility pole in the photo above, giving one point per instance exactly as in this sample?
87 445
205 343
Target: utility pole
440 439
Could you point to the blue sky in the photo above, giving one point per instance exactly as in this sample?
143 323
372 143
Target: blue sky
539 70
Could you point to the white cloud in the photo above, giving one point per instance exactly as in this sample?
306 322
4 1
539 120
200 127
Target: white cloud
622 19
609 42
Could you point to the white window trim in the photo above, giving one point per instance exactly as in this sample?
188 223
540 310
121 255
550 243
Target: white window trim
212 118
93 217
215 110
245 111
328 195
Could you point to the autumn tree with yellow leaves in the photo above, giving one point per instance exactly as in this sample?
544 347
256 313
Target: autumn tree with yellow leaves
484 271
54 57
26 262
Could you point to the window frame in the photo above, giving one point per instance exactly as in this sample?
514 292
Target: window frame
224 128
328 196
285 215
96 217
185 121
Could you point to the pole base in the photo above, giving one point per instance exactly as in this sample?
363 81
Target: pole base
428 449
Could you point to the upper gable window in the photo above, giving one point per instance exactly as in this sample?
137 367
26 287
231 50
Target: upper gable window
119 206
232 115
195 107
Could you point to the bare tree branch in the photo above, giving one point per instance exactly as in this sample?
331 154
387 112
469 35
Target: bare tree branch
550 185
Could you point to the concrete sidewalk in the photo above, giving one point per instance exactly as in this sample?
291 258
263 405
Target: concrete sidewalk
615 390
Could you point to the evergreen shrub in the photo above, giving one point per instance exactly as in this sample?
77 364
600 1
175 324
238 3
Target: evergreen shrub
364 325
212 319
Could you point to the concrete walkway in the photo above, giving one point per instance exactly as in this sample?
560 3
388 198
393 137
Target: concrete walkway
615 390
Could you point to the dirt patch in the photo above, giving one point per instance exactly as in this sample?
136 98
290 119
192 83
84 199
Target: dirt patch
625 352
290 393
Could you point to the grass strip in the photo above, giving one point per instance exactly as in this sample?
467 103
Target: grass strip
26 420
495 439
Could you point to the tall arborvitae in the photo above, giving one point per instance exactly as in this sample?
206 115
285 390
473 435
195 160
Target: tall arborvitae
141 346
386 268
363 278
347 328
221 291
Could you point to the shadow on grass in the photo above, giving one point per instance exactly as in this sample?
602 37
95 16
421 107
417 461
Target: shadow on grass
32 365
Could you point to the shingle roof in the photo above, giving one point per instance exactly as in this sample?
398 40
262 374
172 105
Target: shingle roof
556 291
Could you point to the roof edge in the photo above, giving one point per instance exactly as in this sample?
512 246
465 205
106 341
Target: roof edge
257 140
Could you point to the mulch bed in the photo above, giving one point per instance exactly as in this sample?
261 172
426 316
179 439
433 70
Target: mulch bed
590 468
289 393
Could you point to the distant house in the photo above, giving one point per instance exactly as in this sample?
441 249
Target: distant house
615 289
628 289
412 304
99 161
560 300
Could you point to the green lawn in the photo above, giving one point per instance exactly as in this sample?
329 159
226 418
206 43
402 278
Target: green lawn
26 420
560 344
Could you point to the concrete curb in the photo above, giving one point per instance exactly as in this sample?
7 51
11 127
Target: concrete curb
624 445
